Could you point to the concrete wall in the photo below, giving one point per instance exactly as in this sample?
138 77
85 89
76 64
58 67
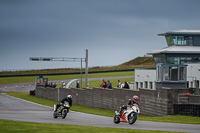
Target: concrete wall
152 102
145 76
194 99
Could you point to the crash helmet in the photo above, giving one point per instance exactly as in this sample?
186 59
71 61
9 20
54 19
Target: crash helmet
69 97
135 99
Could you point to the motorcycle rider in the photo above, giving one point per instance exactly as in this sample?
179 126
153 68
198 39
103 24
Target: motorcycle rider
68 99
131 102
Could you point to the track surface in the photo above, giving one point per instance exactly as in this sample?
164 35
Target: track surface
16 109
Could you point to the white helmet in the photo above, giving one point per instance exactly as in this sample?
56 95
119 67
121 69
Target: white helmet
69 97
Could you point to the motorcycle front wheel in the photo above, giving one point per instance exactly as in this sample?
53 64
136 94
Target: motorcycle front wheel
116 119
132 118
55 115
64 113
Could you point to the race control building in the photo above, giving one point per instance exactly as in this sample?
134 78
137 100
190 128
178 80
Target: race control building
177 65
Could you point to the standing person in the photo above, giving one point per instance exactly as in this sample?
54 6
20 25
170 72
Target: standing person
102 83
78 84
63 84
126 85
109 86
119 85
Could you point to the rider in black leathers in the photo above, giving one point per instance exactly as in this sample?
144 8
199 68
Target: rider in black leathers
131 102
68 99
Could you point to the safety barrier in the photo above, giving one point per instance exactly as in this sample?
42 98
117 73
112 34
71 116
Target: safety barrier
188 109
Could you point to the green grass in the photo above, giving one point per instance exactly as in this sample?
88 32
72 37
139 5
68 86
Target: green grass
109 113
8 126
14 80
97 83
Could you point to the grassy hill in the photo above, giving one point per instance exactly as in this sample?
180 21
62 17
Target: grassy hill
139 62
143 62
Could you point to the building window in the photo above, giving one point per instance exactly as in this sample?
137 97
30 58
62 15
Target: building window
141 84
146 84
165 73
190 41
182 74
151 85
197 84
191 84
173 73
158 71
137 86
183 40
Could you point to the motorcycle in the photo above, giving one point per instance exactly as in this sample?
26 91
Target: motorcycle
62 110
129 115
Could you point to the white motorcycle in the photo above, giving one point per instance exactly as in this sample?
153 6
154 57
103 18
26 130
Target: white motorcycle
129 115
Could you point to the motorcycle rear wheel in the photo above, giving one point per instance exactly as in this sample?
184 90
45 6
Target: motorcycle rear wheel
55 115
132 120
116 119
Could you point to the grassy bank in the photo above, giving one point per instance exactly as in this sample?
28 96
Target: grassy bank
14 80
8 126
109 113
96 83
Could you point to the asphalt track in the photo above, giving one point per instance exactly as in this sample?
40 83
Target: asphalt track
12 108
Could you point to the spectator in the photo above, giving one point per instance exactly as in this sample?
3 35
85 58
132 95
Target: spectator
46 85
126 85
102 83
109 86
63 84
119 85
78 84
54 85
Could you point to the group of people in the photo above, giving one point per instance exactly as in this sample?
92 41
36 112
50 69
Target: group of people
108 85
52 84
125 85
105 85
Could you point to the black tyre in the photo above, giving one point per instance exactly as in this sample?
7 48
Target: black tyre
55 115
132 119
64 113
116 119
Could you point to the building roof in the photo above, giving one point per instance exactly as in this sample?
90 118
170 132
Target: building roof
177 50
181 32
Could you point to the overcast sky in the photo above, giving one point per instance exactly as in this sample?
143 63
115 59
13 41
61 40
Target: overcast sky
113 31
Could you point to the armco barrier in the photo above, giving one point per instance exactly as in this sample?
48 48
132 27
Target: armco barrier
187 109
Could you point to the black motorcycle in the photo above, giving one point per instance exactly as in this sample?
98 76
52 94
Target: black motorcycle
61 111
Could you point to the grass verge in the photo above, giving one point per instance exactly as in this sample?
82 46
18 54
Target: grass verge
14 80
8 126
109 113
97 83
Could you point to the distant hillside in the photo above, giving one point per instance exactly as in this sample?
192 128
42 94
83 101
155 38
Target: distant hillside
140 62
